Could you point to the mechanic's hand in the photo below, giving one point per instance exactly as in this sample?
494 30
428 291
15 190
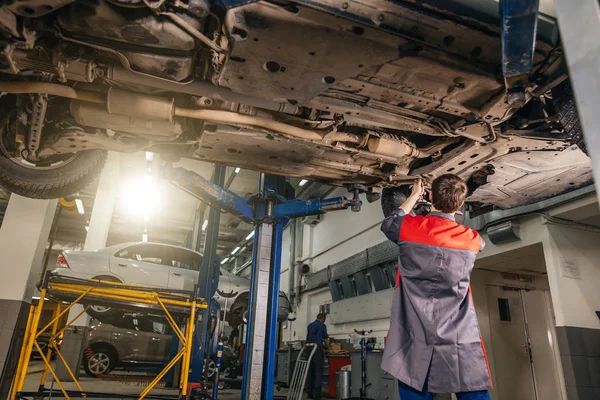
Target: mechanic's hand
418 189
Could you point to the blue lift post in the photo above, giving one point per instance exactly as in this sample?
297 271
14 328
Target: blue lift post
519 27
208 280
269 210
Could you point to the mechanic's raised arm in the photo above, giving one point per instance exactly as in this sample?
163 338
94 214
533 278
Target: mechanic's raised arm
417 191
391 224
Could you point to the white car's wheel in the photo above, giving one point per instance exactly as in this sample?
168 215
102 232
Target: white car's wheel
103 313
212 368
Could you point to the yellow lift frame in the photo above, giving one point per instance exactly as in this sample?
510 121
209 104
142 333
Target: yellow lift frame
108 291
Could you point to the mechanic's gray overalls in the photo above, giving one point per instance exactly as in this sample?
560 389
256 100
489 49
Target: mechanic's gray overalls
434 336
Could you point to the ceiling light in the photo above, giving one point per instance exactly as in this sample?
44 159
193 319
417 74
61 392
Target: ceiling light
87 228
302 182
144 237
237 170
204 224
235 250
250 235
141 196
79 204
224 261
149 156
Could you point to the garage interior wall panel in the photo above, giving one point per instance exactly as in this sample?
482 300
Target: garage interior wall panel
367 307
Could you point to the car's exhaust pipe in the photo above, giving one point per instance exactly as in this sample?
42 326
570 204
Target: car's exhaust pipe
156 108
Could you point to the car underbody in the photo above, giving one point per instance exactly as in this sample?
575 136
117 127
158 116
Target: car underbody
288 88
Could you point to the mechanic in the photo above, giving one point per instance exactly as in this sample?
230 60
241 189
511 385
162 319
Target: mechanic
317 333
434 344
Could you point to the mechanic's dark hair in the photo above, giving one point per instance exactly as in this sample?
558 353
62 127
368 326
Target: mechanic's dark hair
321 316
448 193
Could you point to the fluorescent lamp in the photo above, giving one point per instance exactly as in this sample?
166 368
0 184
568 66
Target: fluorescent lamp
149 156
237 170
141 196
144 237
79 204
235 250
224 261
250 235
302 182
204 224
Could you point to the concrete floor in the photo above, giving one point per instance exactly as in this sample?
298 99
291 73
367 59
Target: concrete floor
121 384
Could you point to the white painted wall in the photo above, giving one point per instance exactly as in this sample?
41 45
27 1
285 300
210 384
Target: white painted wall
572 258
339 235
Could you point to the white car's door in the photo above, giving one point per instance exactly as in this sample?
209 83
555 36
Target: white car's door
142 264
185 266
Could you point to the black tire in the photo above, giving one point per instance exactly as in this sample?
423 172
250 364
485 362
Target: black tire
110 314
392 199
566 111
100 354
52 183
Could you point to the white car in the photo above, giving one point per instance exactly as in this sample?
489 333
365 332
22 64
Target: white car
155 265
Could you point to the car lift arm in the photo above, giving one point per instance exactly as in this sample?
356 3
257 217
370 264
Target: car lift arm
218 197
269 210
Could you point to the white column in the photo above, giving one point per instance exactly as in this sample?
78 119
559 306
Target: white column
101 217
104 203
23 237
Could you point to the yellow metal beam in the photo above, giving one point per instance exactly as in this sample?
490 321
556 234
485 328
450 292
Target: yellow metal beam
188 347
171 321
47 363
162 373
22 369
110 293
56 317
66 310
59 354
25 352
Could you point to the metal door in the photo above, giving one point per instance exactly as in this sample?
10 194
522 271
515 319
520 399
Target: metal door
510 345
542 334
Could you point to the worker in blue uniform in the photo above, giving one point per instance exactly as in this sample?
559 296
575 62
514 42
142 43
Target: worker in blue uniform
434 344
317 333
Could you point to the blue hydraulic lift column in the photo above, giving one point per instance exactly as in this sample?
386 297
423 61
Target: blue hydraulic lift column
269 210
261 334
207 280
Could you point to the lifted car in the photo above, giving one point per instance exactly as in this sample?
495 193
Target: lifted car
347 93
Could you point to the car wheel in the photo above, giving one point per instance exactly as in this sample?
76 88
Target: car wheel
566 111
99 361
392 199
53 178
103 313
